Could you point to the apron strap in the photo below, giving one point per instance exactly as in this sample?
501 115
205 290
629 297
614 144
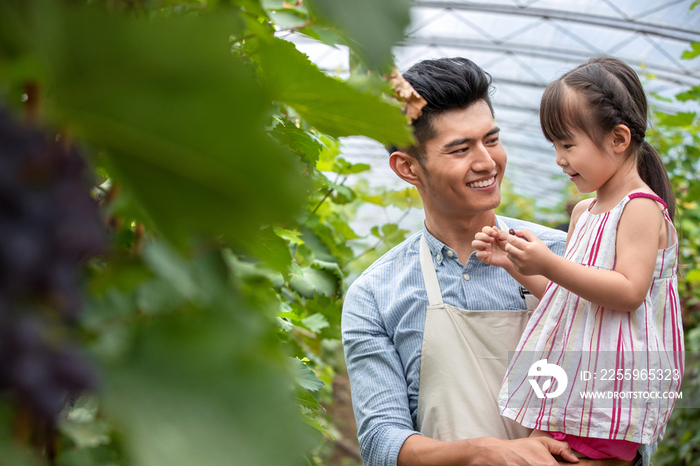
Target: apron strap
501 224
429 275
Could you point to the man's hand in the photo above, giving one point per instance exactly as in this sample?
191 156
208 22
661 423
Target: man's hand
529 255
490 245
533 451
484 451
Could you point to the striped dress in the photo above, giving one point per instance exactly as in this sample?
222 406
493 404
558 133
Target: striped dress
621 355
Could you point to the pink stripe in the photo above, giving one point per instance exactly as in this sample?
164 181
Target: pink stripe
590 246
566 406
582 233
600 237
615 418
573 319
629 413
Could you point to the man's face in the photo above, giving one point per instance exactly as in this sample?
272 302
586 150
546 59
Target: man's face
465 162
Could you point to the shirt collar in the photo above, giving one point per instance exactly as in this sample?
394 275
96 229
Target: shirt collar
435 245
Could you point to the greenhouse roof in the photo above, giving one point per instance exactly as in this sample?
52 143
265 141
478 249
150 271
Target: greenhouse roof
525 44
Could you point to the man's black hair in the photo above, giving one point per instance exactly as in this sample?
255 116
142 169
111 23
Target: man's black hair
446 84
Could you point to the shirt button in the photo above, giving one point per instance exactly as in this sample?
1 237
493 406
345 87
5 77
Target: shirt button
466 277
439 257
450 253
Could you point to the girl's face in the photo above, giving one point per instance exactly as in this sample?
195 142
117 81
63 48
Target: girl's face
589 167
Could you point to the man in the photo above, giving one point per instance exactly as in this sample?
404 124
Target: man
427 328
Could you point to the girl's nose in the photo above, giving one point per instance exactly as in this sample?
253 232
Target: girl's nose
561 161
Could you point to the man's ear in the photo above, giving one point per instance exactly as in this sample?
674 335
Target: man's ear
406 167
620 138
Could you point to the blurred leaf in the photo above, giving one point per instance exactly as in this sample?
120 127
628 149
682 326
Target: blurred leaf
326 159
373 27
200 386
317 425
691 94
314 281
305 376
85 434
693 52
324 34
180 118
171 267
693 276
271 249
293 237
307 400
403 199
301 143
677 119
326 103
315 322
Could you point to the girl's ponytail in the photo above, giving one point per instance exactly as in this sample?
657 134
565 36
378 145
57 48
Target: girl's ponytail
652 171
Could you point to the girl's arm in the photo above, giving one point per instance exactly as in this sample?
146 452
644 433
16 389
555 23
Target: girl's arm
622 289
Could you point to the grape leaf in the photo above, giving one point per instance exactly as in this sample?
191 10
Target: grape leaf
328 104
305 376
315 322
181 120
373 27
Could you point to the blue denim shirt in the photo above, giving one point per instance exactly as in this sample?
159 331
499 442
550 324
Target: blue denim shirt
382 326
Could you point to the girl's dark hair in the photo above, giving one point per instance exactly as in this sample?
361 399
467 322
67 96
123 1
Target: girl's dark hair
446 84
614 96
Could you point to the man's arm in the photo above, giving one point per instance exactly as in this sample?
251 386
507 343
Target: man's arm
377 381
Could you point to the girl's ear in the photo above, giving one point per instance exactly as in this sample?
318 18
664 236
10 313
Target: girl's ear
620 138
407 168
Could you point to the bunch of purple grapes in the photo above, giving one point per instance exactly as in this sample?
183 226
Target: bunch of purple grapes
49 225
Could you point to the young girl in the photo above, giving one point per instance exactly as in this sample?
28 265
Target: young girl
609 312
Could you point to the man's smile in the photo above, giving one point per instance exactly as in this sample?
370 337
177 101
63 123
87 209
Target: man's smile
482 183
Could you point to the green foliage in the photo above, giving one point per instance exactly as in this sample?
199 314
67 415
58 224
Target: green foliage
367 34
215 314
694 49
329 105
677 137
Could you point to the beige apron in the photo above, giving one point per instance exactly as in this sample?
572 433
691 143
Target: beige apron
463 361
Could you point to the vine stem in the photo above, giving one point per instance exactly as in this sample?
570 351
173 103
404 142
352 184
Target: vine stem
381 241
328 193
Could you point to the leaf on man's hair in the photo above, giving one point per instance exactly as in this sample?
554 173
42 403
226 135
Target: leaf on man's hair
411 101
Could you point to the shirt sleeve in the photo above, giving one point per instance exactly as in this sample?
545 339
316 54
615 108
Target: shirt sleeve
645 452
377 381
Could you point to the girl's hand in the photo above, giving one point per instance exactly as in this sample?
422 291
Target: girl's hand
490 244
529 255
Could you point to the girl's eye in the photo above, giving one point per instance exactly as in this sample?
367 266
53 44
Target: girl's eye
568 146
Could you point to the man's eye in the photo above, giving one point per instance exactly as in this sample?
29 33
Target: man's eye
460 151
493 141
